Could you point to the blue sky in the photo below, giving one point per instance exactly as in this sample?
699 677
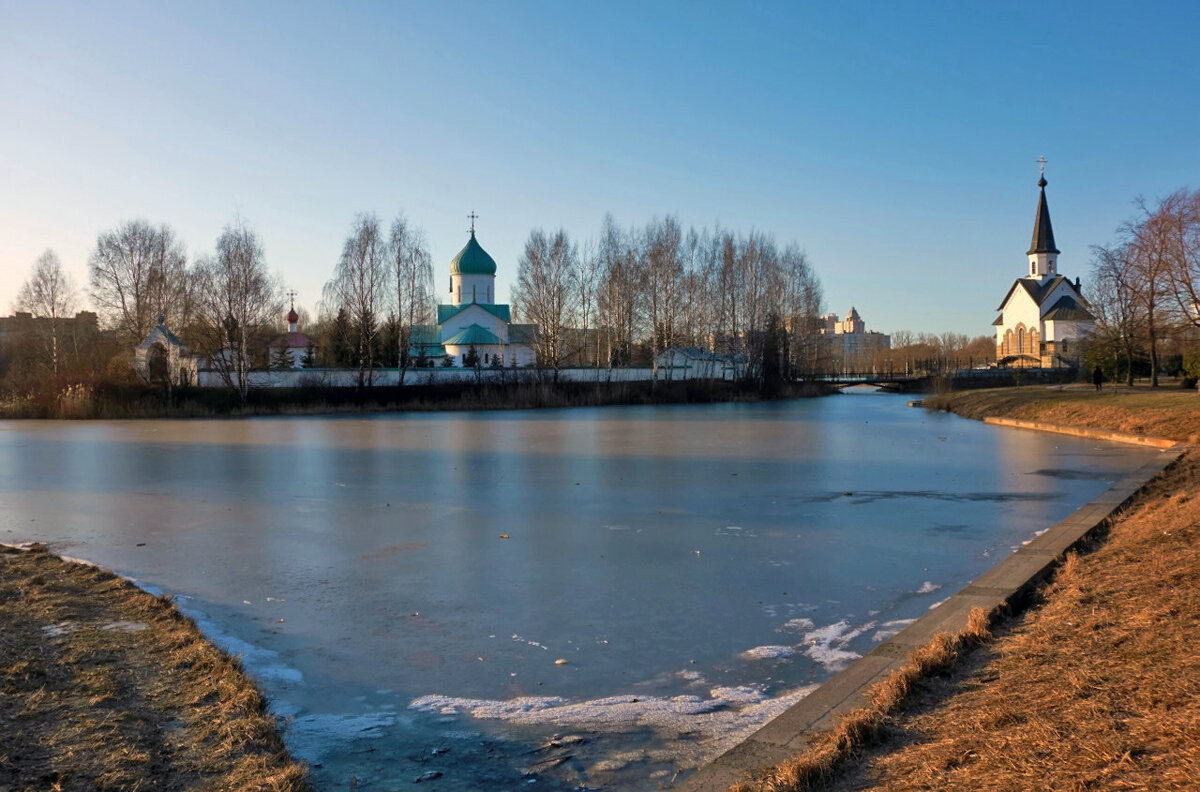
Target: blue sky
894 141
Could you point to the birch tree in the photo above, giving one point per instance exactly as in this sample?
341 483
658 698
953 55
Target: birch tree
617 298
662 274
50 294
801 305
1118 311
410 268
137 273
235 296
544 292
1147 275
358 285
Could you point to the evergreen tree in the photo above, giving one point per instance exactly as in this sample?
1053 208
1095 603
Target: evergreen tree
281 357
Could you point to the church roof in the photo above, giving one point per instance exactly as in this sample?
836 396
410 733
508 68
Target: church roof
160 331
1037 290
473 335
292 341
446 312
1043 232
1067 309
472 260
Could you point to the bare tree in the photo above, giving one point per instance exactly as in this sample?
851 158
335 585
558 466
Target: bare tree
618 298
801 305
1119 313
662 273
139 272
587 284
544 292
411 270
1147 274
50 294
358 285
235 296
1178 216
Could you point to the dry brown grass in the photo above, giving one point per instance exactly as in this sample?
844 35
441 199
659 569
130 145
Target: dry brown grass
1163 412
106 687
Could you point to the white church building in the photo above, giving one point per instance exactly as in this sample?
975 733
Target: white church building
1044 318
473 321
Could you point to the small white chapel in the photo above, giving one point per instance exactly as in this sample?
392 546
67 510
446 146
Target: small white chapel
1044 318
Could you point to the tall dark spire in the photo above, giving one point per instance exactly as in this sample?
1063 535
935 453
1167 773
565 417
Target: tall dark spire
1043 232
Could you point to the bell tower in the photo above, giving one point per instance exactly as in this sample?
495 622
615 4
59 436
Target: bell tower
1043 255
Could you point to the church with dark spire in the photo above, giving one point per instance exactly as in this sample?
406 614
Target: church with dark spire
1044 317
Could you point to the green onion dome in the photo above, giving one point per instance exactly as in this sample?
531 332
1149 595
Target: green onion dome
473 260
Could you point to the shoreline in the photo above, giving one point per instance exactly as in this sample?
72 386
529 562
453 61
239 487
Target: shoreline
954 726
107 686
1005 589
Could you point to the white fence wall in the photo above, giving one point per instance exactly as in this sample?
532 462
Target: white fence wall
348 378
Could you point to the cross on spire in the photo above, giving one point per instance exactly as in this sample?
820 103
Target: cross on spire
472 217
1042 164
292 296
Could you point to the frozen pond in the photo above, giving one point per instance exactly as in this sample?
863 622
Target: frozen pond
403 586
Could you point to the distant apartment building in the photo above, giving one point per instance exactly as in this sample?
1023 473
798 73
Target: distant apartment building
846 345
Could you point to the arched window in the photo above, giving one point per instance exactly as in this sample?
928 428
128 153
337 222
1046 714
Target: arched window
1020 340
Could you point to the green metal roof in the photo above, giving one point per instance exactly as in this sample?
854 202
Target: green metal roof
473 260
446 312
473 335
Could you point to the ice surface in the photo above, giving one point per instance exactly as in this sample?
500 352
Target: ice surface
339 530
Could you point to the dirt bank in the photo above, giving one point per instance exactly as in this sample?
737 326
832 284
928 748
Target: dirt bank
106 687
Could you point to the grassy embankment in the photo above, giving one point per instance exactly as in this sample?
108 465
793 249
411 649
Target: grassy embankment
141 401
106 687
1097 687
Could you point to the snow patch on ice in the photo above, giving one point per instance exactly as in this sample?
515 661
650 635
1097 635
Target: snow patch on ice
798 625
714 723
828 645
767 652
928 587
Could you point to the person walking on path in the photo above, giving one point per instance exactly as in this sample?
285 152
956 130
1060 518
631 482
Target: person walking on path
1097 378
